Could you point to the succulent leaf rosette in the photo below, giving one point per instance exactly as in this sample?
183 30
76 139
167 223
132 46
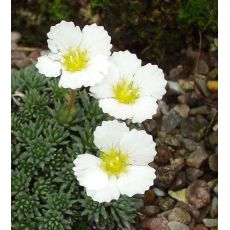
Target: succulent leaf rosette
79 57
121 168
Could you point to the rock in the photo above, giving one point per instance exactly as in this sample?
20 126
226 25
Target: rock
193 173
150 126
202 67
22 63
159 192
162 157
175 72
16 55
210 223
201 110
158 223
194 212
194 127
170 121
186 85
215 189
202 85
197 158
183 99
179 215
171 140
190 145
183 110
179 182
198 194
213 74
164 108
175 87
166 203
173 225
177 163
179 195
214 207
149 197
212 183
15 37
200 227
150 210
213 138
165 176
213 162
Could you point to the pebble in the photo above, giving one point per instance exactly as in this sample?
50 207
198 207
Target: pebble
213 162
183 110
158 223
186 85
172 140
159 192
162 157
202 67
213 74
149 197
202 85
210 223
174 225
175 87
193 173
175 72
177 163
164 108
194 212
213 138
180 181
150 210
190 145
170 121
150 126
15 37
198 194
183 99
179 195
200 227
214 207
179 215
165 176
202 110
197 158
166 203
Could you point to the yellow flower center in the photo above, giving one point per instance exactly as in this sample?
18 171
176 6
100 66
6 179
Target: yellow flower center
75 60
114 162
125 92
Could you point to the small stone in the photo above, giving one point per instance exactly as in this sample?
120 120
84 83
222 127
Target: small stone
212 183
174 225
179 182
15 37
202 67
213 162
214 207
18 55
179 195
198 194
202 85
159 192
170 121
172 140
149 197
162 157
210 223
215 189
22 63
183 110
197 158
193 173
200 227
150 210
179 215
166 203
165 176
158 223
175 87
175 72
190 145
213 138
194 212
186 85
201 110
150 126
213 74
177 163
164 108
194 127
183 99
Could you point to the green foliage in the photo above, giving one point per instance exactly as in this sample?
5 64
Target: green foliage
45 192
201 14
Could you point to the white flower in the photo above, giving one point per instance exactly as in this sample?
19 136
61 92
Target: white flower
130 90
123 164
80 57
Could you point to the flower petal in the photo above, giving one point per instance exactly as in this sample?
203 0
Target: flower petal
72 80
144 108
109 134
116 109
140 147
126 62
48 67
107 193
96 40
151 81
64 36
136 180
89 172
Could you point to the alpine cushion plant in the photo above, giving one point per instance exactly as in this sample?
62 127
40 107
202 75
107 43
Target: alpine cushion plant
80 57
130 90
122 167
